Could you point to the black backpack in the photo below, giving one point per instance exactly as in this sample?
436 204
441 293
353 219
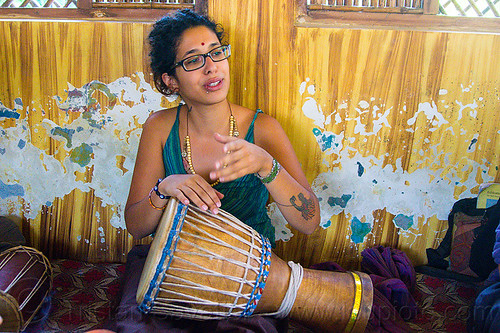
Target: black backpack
481 260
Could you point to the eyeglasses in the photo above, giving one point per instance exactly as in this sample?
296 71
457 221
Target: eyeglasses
197 61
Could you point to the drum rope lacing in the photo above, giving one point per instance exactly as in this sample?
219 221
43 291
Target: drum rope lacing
200 251
291 294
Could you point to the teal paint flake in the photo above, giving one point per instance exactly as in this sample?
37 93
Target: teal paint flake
342 201
81 155
66 133
359 230
6 113
403 221
9 114
14 190
325 141
361 169
88 116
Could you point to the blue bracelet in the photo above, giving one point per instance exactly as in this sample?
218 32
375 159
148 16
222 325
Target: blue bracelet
160 195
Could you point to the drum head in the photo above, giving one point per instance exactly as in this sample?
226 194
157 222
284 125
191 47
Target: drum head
9 311
156 263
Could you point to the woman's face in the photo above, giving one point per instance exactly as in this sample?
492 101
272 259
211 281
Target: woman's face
208 84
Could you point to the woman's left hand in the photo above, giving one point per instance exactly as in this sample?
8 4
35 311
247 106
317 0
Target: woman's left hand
242 158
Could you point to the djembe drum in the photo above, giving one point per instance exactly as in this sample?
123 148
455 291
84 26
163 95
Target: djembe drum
205 266
25 282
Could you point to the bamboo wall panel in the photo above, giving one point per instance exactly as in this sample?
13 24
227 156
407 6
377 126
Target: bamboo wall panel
391 127
71 124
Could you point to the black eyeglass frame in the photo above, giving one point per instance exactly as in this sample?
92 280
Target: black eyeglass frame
205 55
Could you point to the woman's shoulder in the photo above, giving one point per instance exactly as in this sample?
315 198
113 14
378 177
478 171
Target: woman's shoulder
258 116
265 122
162 119
266 129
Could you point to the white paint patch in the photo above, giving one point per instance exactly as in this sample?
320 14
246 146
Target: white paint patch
303 86
466 88
473 106
364 104
358 185
112 134
313 111
428 193
429 109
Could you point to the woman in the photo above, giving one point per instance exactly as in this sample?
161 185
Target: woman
210 153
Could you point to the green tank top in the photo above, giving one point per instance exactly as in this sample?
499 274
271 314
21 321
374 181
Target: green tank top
245 197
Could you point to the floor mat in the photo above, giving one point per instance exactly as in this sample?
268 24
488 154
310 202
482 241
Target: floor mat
84 296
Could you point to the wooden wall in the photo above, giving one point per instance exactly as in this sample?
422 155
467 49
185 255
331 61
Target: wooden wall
391 70
414 115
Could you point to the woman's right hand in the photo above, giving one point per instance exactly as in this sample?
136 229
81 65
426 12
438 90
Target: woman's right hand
192 189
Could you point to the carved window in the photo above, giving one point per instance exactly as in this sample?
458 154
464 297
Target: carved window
467 8
144 10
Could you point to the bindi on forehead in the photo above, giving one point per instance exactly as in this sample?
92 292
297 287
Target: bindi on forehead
202 44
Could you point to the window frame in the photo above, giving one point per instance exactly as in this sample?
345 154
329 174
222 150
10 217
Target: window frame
101 12
428 20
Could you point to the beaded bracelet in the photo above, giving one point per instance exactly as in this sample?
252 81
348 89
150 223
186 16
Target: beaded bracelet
157 191
272 175
152 204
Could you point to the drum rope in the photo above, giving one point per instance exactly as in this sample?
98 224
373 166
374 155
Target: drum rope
245 276
198 236
291 294
205 221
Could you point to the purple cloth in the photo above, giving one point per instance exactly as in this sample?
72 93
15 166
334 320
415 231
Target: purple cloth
395 291
393 276
127 317
390 263
384 318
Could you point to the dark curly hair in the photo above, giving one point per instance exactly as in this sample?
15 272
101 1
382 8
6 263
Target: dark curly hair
165 38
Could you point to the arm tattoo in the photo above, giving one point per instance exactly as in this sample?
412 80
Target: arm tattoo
307 207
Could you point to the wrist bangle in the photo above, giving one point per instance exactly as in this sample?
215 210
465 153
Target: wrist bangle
152 204
272 175
157 191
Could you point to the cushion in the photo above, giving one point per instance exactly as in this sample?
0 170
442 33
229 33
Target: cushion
463 237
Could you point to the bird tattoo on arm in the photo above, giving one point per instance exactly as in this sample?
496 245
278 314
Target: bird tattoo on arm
306 208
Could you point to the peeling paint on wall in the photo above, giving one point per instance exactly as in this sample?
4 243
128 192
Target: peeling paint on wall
359 182
99 137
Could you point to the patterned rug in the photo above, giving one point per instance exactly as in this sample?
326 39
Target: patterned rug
84 296
444 305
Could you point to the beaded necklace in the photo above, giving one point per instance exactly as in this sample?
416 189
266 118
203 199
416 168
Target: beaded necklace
186 153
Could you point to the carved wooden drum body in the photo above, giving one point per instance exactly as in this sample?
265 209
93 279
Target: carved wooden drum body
25 281
205 266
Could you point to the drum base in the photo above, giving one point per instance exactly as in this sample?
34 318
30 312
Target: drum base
9 311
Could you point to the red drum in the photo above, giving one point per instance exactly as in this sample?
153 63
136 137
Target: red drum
205 266
25 281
